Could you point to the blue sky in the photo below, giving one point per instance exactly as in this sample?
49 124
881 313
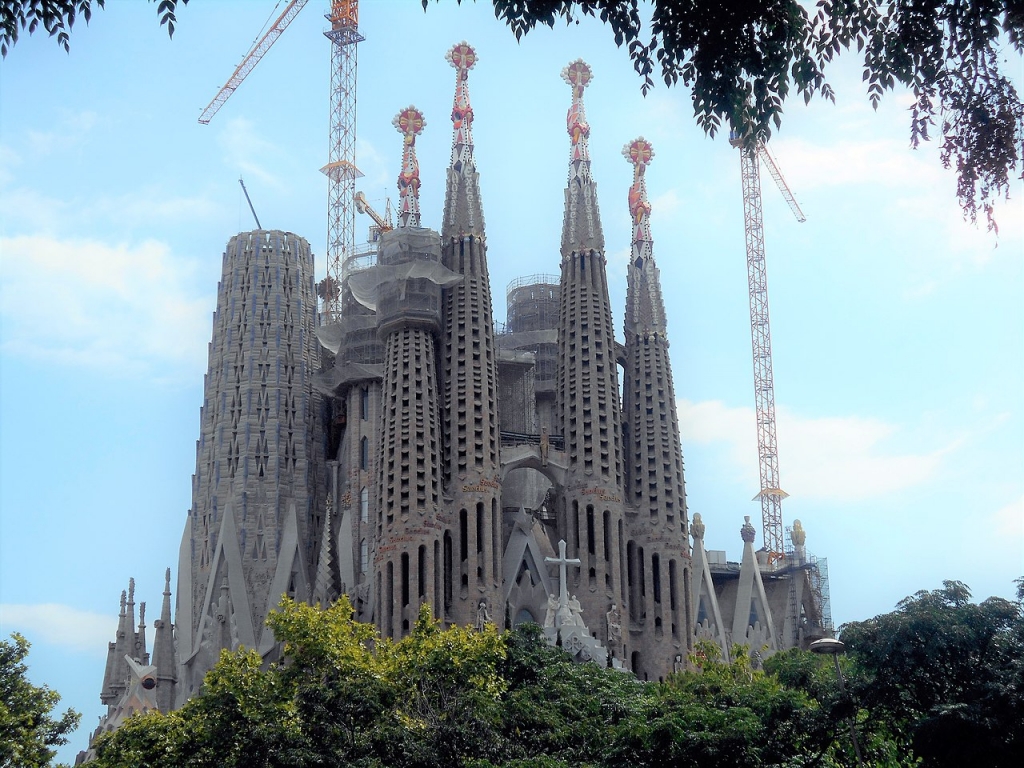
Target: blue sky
898 330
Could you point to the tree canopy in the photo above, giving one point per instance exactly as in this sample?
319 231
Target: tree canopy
935 683
28 727
948 672
741 61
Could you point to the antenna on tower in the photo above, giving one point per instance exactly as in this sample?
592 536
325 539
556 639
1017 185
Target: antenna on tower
249 201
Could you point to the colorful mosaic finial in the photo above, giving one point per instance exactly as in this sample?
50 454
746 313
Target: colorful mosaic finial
578 75
462 56
639 154
581 227
410 124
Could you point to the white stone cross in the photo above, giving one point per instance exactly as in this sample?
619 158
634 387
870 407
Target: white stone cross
563 590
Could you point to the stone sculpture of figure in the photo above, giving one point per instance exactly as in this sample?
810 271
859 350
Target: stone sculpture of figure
549 617
614 626
576 611
483 616
677 663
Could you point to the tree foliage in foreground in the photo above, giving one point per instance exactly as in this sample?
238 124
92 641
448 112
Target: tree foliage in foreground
57 17
938 682
341 696
949 672
28 728
740 62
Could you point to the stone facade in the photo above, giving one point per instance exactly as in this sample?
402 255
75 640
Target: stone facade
410 453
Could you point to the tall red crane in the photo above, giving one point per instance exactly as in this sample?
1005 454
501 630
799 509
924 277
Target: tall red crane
771 494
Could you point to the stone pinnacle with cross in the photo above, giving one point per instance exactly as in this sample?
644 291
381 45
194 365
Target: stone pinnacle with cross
563 590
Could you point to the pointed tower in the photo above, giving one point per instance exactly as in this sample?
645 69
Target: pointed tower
590 517
163 651
752 622
470 412
257 493
658 549
327 586
409 278
115 674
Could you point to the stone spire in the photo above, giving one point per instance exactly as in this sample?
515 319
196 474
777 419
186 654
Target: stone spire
258 490
581 228
645 309
327 586
587 385
463 214
654 467
653 464
409 277
470 430
163 651
410 124
113 679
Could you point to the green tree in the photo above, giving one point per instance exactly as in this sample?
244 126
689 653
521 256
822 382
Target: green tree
28 729
740 62
57 17
947 673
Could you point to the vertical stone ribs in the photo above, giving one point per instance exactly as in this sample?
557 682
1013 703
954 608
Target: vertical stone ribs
259 446
658 547
654 465
409 279
587 392
471 435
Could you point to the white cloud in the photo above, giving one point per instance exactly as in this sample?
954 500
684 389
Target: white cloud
668 204
837 458
244 148
1008 522
8 160
70 132
61 625
84 302
844 162
28 210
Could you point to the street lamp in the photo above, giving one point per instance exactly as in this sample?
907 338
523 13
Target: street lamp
829 645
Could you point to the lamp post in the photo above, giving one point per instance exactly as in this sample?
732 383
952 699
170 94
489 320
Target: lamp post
833 647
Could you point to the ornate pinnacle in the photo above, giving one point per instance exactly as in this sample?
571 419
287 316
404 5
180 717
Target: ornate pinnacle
747 532
462 56
639 154
697 527
578 75
410 124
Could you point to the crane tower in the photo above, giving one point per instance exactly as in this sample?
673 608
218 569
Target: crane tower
341 169
771 494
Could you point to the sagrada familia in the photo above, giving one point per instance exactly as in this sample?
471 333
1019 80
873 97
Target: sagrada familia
413 452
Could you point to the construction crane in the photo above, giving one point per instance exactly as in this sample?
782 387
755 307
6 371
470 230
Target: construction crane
252 58
383 223
771 494
341 169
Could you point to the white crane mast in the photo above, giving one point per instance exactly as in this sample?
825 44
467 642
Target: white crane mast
771 494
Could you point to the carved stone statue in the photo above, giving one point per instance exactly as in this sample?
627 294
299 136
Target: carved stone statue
576 613
614 622
483 616
549 617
